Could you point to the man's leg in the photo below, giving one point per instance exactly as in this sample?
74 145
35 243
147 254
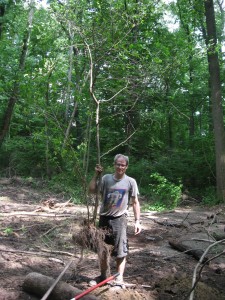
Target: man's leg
120 263
121 244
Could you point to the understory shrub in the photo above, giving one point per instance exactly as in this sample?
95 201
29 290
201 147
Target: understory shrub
209 196
163 193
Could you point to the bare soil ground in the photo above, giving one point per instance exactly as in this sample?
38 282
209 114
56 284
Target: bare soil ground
36 236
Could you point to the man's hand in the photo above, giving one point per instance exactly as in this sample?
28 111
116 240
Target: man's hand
98 170
92 188
137 227
136 208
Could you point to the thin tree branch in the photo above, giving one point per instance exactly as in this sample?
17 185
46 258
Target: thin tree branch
115 94
179 110
194 281
118 145
200 271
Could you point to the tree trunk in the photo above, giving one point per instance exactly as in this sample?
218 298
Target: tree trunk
47 135
15 92
2 12
216 97
169 115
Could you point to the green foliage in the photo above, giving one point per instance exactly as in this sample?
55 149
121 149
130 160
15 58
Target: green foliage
209 196
22 157
68 185
138 170
192 164
157 206
155 77
163 193
8 231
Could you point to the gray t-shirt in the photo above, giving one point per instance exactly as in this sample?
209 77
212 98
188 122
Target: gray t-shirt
115 194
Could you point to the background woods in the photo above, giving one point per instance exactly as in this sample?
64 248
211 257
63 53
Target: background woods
156 70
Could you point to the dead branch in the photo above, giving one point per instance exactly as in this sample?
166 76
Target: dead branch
127 139
208 233
56 260
23 213
185 218
51 229
23 228
203 240
24 252
61 205
107 100
200 271
38 253
52 204
57 252
202 260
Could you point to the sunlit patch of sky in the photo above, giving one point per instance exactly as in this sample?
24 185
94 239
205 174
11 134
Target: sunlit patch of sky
171 21
42 3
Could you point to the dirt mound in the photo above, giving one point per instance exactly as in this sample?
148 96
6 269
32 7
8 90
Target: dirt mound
171 288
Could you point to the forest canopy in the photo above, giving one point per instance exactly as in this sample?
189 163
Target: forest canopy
83 80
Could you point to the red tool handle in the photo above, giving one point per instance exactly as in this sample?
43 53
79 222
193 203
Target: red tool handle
95 286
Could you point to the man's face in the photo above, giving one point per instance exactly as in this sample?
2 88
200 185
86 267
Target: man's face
120 167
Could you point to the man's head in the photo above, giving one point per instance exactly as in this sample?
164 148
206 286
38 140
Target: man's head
121 156
121 164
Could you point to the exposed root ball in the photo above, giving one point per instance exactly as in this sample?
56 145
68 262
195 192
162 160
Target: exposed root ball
90 237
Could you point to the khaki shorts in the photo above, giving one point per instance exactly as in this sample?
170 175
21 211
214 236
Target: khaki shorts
116 233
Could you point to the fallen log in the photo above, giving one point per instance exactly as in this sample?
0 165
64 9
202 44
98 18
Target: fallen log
217 231
38 284
171 223
46 295
196 253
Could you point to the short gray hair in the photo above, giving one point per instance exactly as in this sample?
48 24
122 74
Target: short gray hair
126 158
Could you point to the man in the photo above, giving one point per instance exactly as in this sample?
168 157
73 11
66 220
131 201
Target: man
116 191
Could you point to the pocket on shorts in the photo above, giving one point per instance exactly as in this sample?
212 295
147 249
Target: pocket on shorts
124 221
125 246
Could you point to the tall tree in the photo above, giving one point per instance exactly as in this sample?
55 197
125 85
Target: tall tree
16 85
216 96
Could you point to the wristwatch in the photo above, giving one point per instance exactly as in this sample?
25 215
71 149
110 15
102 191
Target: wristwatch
138 220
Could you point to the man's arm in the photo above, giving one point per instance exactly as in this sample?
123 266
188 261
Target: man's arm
137 212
